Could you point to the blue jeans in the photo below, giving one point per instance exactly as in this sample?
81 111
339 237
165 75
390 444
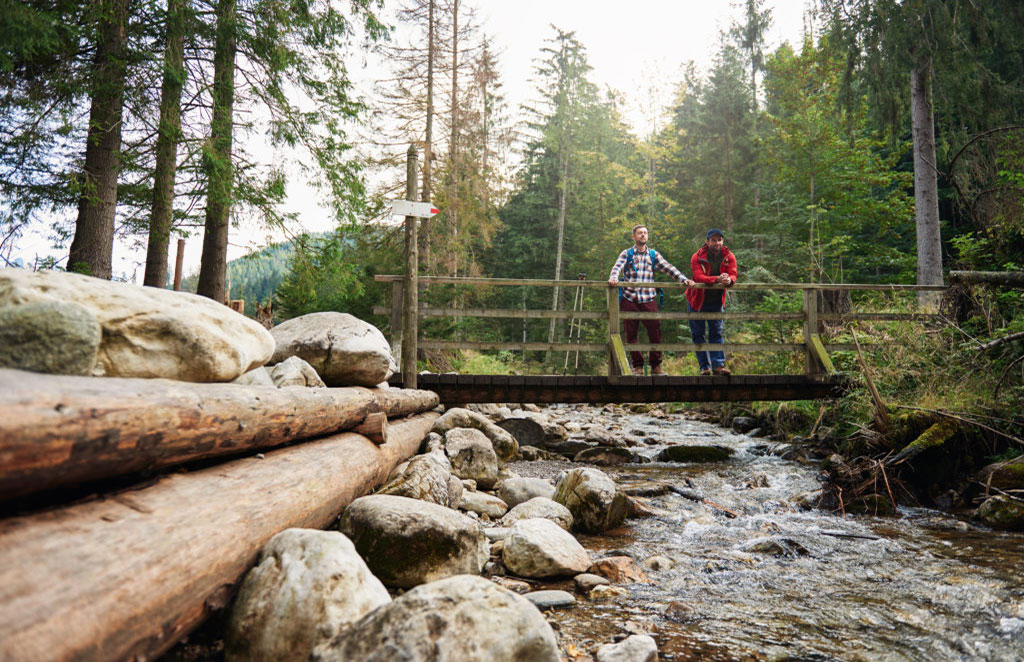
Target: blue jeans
705 359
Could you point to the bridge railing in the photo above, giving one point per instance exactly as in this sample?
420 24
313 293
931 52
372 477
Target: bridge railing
814 349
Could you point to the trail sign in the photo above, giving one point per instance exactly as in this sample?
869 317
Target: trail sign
410 208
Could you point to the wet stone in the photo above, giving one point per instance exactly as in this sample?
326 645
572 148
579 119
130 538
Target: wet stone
550 599
587 581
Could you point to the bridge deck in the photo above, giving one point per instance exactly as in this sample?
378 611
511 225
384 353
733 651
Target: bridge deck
542 389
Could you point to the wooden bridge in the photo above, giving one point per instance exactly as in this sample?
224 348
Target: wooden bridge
818 380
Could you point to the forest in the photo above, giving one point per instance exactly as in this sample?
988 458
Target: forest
886 147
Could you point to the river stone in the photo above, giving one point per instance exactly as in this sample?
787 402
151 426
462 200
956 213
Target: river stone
605 456
658 562
607 593
472 456
741 424
550 599
540 548
258 377
570 447
634 648
694 454
542 508
1000 512
586 582
533 454
407 542
150 332
460 619
293 371
426 478
54 337
455 491
593 499
515 491
306 587
1007 475
483 504
619 570
343 349
505 445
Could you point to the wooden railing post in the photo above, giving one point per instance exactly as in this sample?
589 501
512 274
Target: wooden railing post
811 365
410 323
613 327
396 319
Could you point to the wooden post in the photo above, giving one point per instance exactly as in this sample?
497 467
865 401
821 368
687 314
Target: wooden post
177 265
613 327
410 323
811 365
396 320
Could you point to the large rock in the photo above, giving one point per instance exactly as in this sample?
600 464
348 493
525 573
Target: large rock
540 548
531 429
427 478
54 337
605 456
293 371
1007 475
150 332
1001 512
407 542
306 588
344 350
593 499
539 507
505 445
634 648
619 569
472 456
460 619
695 454
515 491
482 503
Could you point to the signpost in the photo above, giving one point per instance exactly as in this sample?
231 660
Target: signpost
410 208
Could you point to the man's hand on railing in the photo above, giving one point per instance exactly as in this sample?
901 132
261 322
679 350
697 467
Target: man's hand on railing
613 281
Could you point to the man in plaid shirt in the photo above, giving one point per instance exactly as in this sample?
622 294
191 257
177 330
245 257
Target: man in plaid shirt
642 299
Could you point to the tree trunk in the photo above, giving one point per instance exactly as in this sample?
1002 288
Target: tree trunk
926 187
428 143
217 158
59 431
169 134
125 576
1009 279
93 244
562 195
454 143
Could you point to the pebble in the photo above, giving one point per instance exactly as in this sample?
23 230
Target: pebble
586 582
551 599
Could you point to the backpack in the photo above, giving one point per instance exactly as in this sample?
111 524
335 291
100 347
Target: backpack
654 256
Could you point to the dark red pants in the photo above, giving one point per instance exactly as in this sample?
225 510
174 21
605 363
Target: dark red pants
631 327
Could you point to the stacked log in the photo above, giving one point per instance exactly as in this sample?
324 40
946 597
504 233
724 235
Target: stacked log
126 575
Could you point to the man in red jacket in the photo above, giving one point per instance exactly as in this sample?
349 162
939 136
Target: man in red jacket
713 264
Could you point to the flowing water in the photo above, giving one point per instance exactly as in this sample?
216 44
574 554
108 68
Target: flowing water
778 582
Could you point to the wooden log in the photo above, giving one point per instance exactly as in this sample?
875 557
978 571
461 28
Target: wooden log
61 430
374 428
1011 279
126 576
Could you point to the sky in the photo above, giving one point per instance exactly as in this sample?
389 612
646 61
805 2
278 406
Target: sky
637 48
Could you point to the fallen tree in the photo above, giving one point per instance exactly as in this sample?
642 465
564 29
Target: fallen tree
127 575
62 430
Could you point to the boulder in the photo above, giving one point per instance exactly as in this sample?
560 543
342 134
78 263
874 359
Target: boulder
460 618
343 349
472 456
694 454
570 447
605 456
150 332
1001 512
515 491
293 371
532 429
1008 475
593 499
505 445
483 504
257 377
54 337
741 424
540 548
427 478
407 542
619 570
307 586
542 508
634 648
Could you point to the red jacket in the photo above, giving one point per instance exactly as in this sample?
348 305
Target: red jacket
701 269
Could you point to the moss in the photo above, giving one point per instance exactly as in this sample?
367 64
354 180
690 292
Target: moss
935 436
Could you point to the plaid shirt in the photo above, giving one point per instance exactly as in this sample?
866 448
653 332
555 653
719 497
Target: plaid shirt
642 271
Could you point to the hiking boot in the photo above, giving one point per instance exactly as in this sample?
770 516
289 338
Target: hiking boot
706 371
638 372
722 370
657 370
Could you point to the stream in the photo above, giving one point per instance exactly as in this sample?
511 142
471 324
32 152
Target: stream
779 582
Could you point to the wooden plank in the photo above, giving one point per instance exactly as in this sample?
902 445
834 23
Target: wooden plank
621 364
528 346
820 355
